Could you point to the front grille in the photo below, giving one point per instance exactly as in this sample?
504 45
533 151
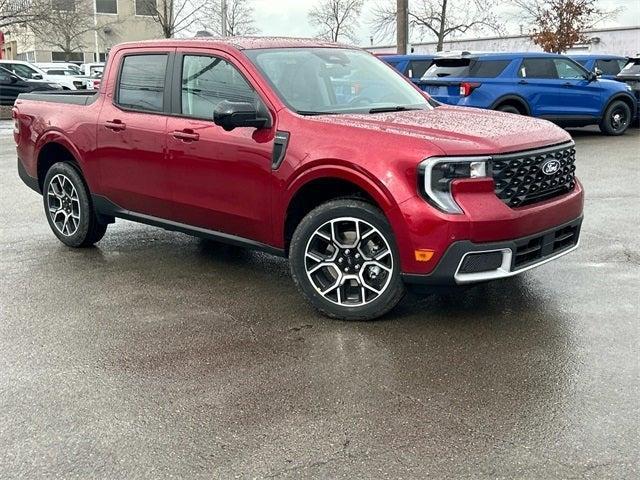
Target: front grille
535 249
520 178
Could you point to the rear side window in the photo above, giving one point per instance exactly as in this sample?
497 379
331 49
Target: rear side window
417 68
609 67
207 81
465 67
538 68
141 84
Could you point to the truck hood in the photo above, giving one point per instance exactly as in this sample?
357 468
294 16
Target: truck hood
460 130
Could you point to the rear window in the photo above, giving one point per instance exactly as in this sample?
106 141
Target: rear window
141 84
466 67
417 68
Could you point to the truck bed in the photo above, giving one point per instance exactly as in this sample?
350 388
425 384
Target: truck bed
79 97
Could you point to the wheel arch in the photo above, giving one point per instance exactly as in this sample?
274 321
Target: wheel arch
319 185
53 150
511 99
626 98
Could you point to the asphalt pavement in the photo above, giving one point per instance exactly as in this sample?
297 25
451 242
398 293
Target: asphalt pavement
158 355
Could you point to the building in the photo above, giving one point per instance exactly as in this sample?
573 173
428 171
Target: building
623 41
117 21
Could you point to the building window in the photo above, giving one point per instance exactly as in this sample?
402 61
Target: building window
67 57
107 6
146 7
63 5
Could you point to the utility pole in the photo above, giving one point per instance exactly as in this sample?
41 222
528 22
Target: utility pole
402 26
95 31
224 17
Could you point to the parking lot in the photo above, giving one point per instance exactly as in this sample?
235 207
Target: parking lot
158 355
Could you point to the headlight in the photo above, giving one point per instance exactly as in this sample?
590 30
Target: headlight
436 174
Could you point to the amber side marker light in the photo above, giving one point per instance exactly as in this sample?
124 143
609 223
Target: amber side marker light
424 255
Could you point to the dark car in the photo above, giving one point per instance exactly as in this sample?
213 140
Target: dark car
11 85
630 74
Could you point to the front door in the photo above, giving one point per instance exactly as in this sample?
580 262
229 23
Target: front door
220 180
131 135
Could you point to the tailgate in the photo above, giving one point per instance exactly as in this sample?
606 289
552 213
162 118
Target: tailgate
445 91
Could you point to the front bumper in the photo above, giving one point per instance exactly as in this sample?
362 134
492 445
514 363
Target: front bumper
502 259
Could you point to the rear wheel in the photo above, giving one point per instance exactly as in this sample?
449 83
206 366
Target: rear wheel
507 108
345 261
616 119
68 207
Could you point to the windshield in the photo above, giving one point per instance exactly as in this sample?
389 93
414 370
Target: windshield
329 81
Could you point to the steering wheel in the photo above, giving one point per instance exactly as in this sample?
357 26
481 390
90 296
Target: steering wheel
360 101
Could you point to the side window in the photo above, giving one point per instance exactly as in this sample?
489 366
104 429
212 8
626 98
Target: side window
488 68
567 70
417 68
608 67
207 81
538 68
141 84
22 70
5 77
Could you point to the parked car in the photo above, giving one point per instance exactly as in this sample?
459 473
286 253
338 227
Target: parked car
64 75
243 141
630 74
29 71
11 85
542 85
65 65
89 69
605 66
411 66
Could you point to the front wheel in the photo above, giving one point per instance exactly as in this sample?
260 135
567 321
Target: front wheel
616 119
68 207
345 261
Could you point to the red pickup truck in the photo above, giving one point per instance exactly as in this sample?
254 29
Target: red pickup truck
310 150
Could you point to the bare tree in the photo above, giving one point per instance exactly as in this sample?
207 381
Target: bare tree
66 26
240 17
558 25
337 19
173 16
15 12
440 18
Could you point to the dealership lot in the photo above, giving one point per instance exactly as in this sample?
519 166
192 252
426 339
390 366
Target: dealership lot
159 355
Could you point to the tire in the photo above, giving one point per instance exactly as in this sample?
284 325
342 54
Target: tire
323 251
68 207
616 119
509 109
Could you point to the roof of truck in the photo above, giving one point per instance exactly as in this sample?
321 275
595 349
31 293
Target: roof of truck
239 43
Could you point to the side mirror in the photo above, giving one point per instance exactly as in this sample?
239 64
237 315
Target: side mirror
591 77
36 76
598 72
13 79
230 115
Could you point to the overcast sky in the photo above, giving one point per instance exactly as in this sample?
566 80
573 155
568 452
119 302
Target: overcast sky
289 17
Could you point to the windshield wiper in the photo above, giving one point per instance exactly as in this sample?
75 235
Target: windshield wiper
395 108
311 113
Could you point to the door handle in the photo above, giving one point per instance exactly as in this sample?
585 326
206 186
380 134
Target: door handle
566 84
186 135
523 82
115 125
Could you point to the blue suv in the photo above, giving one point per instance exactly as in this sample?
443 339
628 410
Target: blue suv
542 85
411 66
605 66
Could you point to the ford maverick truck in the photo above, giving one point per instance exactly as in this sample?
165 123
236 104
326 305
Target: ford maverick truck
318 152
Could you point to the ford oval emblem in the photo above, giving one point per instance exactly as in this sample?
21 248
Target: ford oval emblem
550 167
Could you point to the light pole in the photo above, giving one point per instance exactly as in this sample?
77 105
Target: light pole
95 30
224 17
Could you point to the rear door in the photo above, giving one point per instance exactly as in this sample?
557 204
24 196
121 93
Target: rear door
220 180
556 87
131 132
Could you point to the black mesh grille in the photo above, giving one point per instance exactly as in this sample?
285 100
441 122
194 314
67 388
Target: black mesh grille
535 249
481 262
530 177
